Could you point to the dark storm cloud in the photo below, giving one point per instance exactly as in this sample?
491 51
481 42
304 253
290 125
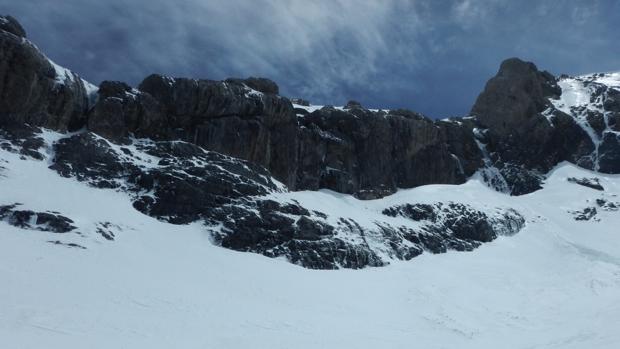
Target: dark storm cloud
431 56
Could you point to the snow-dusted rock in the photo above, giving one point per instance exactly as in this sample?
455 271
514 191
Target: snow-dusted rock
593 183
593 102
525 135
181 183
43 221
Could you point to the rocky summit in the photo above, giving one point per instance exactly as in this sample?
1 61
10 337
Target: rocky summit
228 154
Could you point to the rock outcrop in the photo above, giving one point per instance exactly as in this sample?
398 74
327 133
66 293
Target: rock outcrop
609 153
33 90
12 26
44 221
179 182
525 135
354 151
240 118
370 154
122 111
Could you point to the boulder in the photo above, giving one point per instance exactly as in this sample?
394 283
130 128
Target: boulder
43 221
592 183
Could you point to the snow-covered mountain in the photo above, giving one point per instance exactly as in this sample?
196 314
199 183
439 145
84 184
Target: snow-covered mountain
554 284
143 217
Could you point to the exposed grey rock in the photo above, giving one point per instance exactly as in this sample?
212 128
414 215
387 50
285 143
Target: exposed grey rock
307 239
609 153
229 118
521 180
519 135
460 222
10 25
459 136
514 97
70 244
612 100
347 151
24 140
607 205
353 104
106 230
259 84
184 183
596 121
43 221
32 91
121 111
370 154
613 120
300 101
593 183
586 214
187 180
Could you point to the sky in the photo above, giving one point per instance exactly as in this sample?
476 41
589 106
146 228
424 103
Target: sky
431 56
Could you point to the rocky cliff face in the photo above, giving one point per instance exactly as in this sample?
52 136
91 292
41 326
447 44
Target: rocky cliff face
353 151
371 153
241 118
525 135
518 119
191 150
33 89
241 206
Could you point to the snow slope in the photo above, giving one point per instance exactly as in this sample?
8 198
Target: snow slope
556 284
